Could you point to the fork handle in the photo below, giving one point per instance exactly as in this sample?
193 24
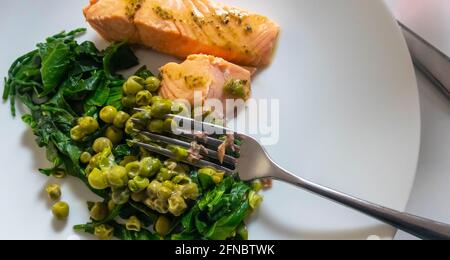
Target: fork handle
420 227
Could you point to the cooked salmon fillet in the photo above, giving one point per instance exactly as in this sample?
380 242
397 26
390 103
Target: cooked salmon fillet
112 19
203 73
184 27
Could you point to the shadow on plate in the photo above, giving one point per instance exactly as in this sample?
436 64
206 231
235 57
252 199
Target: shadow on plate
277 226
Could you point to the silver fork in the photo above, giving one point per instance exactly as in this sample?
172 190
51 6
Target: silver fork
254 163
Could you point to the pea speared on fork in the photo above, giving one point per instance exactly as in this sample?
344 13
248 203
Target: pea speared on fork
237 153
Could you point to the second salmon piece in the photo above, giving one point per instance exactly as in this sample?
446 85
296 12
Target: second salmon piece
210 77
184 27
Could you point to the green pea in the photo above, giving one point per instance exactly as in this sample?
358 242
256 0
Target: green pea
181 153
170 185
161 108
127 159
139 196
85 158
120 196
129 101
143 98
169 124
207 171
102 143
53 191
97 179
164 193
242 231
142 116
60 210
77 134
161 206
146 108
152 84
104 232
180 107
257 185
88 124
254 199
59 173
111 205
177 205
153 188
181 179
218 177
107 114
117 177
95 161
149 166
130 126
162 226
138 184
156 126
114 134
156 99
133 224
165 174
190 191
236 88
133 85
150 202
170 164
121 119
99 211
182 168
133 169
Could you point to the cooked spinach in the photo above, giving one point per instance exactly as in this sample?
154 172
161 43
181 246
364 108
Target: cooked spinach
60 81
218 214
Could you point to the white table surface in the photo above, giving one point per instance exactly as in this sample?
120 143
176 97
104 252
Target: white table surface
430 195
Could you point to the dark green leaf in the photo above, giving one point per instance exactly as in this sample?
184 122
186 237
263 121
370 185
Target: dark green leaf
205 181
224 227
76 84
88 228
100 96
56 59
143 72
151 215
118 56
89 49
115 97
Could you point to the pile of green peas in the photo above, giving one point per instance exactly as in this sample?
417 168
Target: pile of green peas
85 126
163 186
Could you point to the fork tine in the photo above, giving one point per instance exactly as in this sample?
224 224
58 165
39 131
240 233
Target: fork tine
211 142
207 140
203 125
217 129
210 153
198 124
170 154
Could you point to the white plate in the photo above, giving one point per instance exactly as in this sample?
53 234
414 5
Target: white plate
350 118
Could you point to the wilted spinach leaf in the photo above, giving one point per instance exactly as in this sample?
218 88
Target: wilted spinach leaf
118 56
144 72
56 58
